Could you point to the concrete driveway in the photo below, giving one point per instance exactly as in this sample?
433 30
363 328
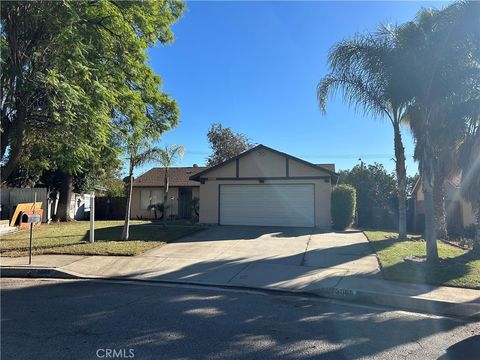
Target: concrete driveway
264 256
300 259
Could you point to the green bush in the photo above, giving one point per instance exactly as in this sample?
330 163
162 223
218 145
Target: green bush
344 202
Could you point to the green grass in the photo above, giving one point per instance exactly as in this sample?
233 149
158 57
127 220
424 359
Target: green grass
72 238
457 267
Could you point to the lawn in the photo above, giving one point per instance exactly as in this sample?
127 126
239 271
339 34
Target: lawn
72 238
456 268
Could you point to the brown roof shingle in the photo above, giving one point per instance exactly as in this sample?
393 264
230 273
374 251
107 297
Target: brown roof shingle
178 176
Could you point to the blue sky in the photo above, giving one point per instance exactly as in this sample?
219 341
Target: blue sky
254 66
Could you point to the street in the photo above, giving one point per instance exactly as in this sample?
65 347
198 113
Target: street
60 319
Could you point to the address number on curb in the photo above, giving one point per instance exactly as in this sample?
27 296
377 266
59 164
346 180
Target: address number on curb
344 292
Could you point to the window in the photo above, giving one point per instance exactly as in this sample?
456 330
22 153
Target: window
150 197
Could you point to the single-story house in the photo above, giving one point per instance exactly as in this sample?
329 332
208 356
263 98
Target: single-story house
266 187
459 211
148 190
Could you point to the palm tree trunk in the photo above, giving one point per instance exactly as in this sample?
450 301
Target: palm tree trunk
401 181
439 205
165 197
430 229
126 225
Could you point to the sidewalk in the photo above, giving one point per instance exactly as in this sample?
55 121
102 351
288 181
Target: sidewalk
331 283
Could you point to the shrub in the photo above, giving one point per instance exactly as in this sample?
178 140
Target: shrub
344 201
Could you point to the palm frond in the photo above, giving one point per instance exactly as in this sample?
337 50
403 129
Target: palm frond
148 155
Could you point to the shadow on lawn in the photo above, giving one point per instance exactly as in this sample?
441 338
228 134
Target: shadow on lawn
142 232
447 269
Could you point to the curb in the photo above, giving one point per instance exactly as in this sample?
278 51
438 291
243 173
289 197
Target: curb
24 272
467 311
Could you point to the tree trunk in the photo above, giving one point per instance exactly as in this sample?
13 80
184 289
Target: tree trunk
430 228
66 190
439 207
16 147
126 225
401 181
165 197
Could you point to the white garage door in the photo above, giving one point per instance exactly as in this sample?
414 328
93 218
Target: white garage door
267 205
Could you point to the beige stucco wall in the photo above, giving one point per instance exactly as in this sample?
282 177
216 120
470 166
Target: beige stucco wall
296 168
209 193
195 192
228 170
452 193
262 163
468 213
419 194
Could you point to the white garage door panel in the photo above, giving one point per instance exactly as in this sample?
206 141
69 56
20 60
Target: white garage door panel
267 205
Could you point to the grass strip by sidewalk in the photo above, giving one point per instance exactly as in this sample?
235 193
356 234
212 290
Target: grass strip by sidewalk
457 267
72 238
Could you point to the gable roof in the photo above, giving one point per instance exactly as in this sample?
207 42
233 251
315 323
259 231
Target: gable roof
178 176
330 167
455 181
198 175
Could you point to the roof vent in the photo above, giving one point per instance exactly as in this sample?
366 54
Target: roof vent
195 165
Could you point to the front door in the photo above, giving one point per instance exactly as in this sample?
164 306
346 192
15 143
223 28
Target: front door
185 203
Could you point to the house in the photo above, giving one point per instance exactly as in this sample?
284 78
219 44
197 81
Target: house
148 190
459 211
266 187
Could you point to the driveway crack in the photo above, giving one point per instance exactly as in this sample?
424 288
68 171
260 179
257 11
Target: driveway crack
302 263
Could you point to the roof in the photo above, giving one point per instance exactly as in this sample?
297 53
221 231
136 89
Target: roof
330 167
261 146
178 176
455 180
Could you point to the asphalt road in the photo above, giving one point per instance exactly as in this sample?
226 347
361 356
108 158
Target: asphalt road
101 320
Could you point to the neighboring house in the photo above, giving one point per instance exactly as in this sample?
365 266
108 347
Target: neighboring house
460 212
266 187
148 190
11 197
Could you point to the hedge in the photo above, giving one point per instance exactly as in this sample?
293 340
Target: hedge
344 202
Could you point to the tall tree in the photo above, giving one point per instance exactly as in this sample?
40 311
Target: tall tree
168 157
73 66
443 66
376 194
469 164
368 70
138 155
225 144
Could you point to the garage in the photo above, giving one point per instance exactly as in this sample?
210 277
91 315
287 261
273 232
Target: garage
267 205
265 187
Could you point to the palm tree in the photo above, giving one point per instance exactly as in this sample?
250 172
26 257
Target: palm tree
368 69
469 164
442 51
167 157
138 155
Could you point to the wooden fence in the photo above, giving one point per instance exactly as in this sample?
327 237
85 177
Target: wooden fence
110 208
